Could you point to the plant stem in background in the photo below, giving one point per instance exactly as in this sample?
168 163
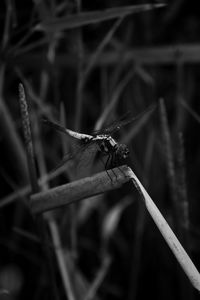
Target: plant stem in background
169 159
176 184
41 224
28 139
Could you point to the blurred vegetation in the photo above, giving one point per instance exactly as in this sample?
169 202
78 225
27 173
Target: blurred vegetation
85 64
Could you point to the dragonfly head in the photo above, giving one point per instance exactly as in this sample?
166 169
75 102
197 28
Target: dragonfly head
122 151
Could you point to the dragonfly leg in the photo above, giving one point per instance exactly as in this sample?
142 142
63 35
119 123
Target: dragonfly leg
117 162
112 159
106 165
107 161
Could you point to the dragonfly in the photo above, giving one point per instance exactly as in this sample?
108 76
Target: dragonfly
103 143
102 140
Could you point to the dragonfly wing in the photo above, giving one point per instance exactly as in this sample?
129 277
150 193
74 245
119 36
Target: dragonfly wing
82 156
109 129
124 120
55 126
67 131
145 113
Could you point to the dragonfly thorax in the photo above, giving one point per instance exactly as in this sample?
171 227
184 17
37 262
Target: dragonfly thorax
117 153
109 146
106 144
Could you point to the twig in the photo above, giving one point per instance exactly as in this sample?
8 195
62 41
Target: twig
100 182
169 236
79 190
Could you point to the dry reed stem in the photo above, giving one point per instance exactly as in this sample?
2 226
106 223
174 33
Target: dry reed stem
100 183
78 190
169 236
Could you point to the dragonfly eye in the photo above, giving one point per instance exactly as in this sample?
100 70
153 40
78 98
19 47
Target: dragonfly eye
126 153
122 151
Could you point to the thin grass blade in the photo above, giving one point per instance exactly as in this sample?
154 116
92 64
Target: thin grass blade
87 18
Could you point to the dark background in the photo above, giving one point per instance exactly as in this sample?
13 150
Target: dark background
152 58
